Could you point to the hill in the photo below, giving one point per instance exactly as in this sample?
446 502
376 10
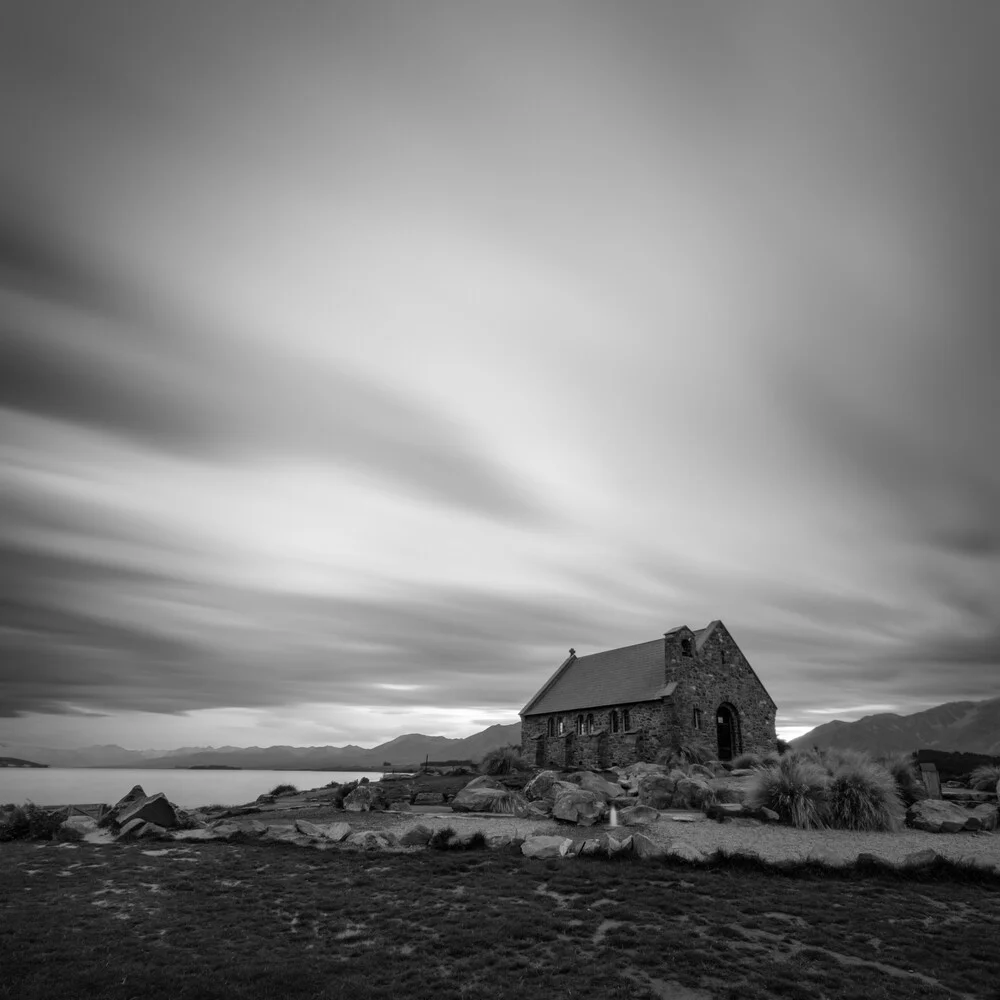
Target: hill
403 751
967 726
18 762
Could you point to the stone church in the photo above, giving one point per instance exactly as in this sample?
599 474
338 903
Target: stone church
629 704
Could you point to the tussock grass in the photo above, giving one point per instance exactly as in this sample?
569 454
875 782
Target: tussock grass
283 790
796 789
863 795
746 760
904 771
985 777
503 760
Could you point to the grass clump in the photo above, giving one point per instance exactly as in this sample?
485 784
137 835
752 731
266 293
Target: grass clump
863 795
904 771
745 760
283 790
985 777
503 760
796 789
507 803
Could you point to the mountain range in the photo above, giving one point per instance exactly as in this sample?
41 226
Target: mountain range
968 726
403 751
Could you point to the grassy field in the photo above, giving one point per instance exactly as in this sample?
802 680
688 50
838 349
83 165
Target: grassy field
265 920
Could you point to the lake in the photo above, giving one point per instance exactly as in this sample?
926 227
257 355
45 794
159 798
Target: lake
187 789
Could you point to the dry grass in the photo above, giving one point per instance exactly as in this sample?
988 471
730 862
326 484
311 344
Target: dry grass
255 921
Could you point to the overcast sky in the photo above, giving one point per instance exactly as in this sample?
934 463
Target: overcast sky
360 358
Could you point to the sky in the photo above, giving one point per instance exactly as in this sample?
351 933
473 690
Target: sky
358 359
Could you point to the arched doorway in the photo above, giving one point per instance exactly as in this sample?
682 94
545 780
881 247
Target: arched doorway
727 731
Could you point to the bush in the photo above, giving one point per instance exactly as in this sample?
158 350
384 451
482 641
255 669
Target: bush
440 838
698 752
746 760
342 791
503 760
783 747
904 771
863 795
985 777
283 790
29 822
795 789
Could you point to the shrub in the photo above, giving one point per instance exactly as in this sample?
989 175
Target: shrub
783 747
440 838
747 760
342 791
283 790
985 777
698 752
29 822
795 789
503 760
863 796
904 771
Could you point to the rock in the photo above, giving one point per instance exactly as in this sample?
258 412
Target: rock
590 847
656 790
638 816
497 841
769 815
722 811
225 830
285 834
728 791
490 800
131 829
82 824
938 816
368 840
641 767
546 847
591 782
153 831
686 819
988 816
336 832
540 785
152 809
400 806
685 852
920 859
364 798
429 799
867 858
308 829
646 847
541 809
577 805
830 859
692 793
111 816
416 836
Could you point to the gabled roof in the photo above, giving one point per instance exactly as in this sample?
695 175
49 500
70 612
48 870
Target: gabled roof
615 676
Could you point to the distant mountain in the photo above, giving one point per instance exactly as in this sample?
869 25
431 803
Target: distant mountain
18 762
403 751
969 726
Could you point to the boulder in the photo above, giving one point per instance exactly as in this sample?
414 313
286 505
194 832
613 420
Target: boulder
577 805
828 858
920 859
540 785
336 832
429 799
364 798
416 836
988 816
542 809
286 835
656 790
614 845
646 847
497 841
768 815
939 816
151 809
638 816
590 847
131 829
81 824
369 840
546 847
308 829
722 811
489 800
685 852
641 767
591 782
692 793
226 829
153 831
110 816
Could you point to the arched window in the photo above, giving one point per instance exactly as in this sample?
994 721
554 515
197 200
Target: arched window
614 722
696 721
552 726
562 725
579 725
626 721
686 647
590 725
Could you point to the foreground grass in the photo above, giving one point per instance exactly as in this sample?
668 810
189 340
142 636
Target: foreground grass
253 921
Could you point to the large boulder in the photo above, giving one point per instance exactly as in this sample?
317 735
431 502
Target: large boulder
489 800
638 816
641 767
150 809
692 793
416 836
110 816
656 789
646 847
546 847
429 799
540 785
591 782
940 816
369 840
988 816
685 852
577 805
364 798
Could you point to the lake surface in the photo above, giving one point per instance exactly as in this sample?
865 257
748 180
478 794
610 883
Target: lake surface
187 789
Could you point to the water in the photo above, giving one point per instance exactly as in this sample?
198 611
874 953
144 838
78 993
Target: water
187 789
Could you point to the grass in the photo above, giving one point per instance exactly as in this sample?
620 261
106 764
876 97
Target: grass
283 790
863 795
795 788
255 921
503 760
985 777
